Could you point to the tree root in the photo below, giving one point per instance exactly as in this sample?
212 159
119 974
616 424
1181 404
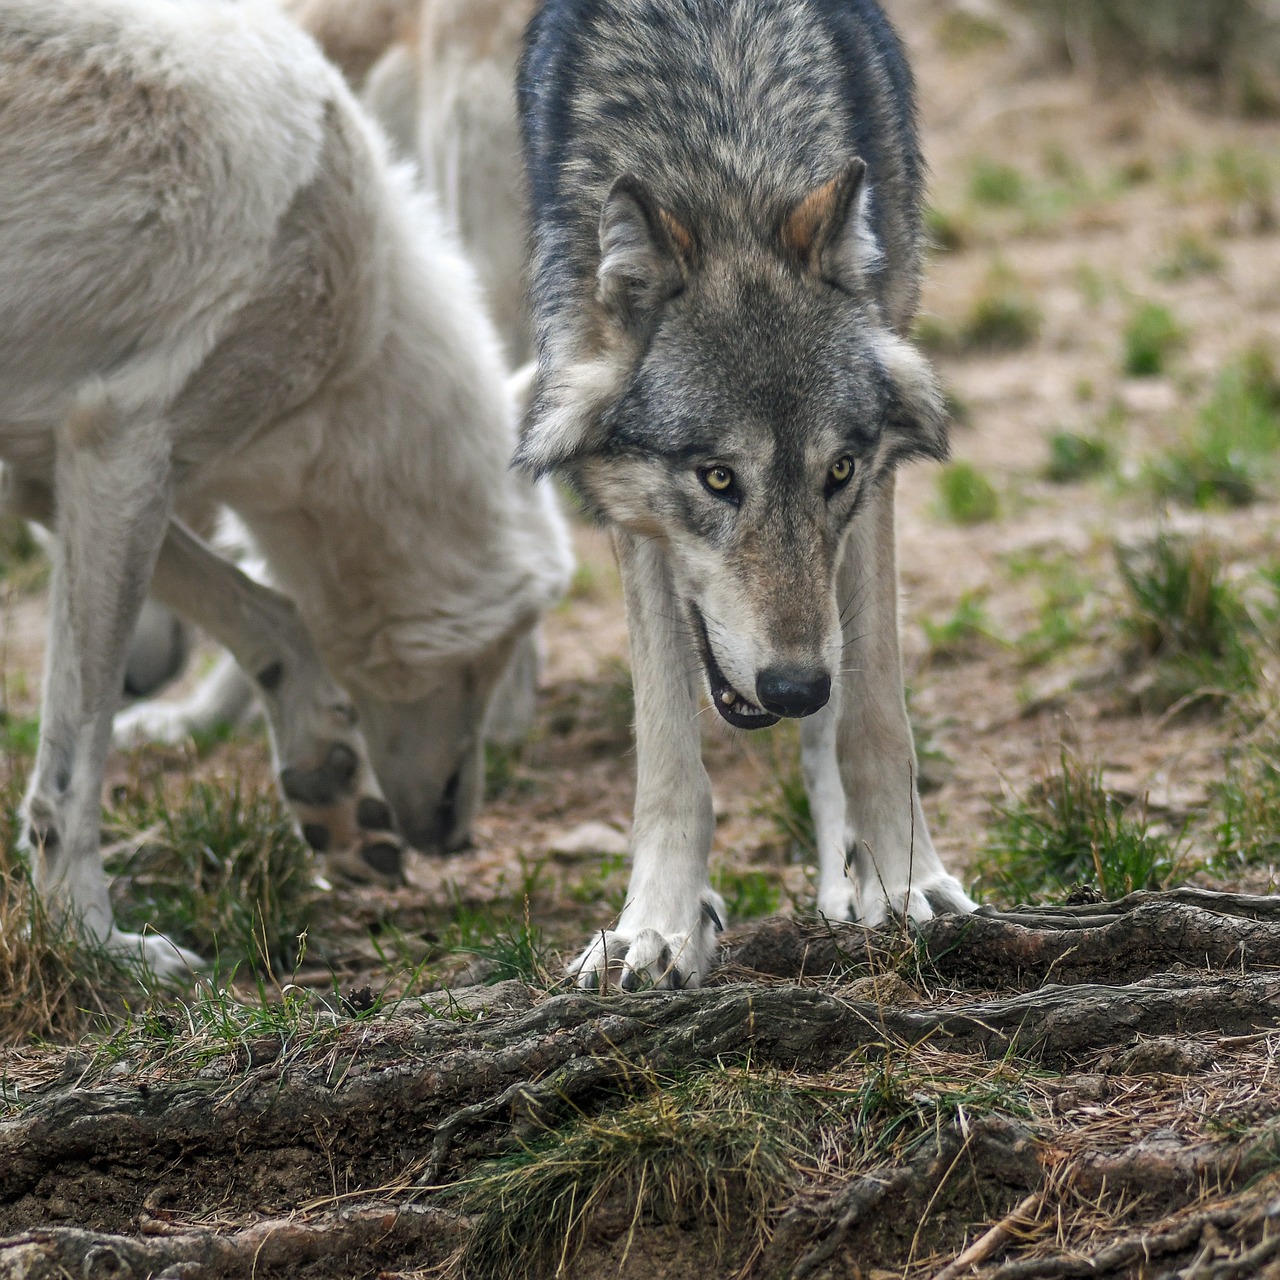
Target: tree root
1140 935
275 1247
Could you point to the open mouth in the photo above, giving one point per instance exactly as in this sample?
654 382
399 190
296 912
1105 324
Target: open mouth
740 712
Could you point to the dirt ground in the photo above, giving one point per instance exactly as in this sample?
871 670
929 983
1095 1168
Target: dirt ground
1070 1147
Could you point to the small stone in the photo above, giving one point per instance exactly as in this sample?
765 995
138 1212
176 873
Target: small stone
589 838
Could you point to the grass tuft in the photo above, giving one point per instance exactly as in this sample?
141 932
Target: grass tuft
967 496
1074 457
1227 457
1151 337
994 183
219 869
1004 317
1185 618
721 1146
1247 810
1067 829
55 984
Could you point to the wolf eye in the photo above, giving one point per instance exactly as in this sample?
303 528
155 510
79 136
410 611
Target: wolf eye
718 479
839 474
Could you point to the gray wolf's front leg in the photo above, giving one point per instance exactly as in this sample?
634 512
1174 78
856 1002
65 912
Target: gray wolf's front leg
113 496
320 754
893 865
667 931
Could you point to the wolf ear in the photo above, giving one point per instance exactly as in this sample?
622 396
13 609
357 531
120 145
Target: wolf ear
646 253
828 233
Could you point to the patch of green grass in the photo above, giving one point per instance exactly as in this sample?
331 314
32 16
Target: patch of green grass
1068 829
55 983
515 951
1245 179
992 182
1003 317
1185 618
1093 285
964 635
1227 456
967 496
1246 807
723 1146
1151 337
19 736
503 773
748 894
1063 596
605 882
219 869
1075 457
1192 255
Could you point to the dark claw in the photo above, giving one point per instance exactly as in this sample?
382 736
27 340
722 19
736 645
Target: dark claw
630 980
677 980
591 981
713 916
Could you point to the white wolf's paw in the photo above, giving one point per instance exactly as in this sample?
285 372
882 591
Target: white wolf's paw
163 722
632 957
927 896
838 901
161 957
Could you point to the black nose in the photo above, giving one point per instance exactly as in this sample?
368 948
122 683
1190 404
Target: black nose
789 692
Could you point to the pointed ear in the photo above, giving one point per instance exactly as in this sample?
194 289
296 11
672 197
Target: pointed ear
646 253
828 233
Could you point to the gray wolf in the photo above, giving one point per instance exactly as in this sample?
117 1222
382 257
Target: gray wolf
214 288
726 216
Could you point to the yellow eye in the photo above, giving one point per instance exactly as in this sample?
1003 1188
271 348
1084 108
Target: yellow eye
841 470
717 479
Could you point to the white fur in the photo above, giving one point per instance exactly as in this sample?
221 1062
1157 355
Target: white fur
214 286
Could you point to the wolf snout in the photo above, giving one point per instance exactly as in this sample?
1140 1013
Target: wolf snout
791 691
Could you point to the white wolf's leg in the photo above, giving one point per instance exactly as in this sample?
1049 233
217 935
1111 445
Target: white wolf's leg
319 753
113 494
667 931
837 893
224 696
896 867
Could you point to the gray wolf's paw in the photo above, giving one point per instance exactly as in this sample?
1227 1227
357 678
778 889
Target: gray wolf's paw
165 959
634 955
924 897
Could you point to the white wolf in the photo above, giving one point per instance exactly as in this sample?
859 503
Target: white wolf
213 287
439 77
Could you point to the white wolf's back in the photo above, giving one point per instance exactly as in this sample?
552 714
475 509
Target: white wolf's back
119 118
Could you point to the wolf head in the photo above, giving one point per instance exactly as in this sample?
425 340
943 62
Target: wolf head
738 396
